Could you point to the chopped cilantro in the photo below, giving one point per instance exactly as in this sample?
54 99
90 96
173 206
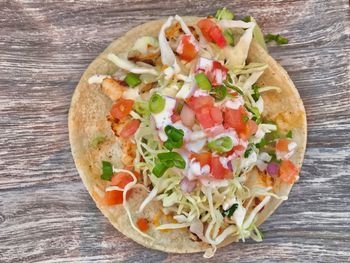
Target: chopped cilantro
256 94
261 144
229 212
289 134
277 38
248 152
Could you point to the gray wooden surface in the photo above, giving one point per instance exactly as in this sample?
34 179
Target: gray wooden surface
45 212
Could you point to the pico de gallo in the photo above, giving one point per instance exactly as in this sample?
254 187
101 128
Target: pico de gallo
188 112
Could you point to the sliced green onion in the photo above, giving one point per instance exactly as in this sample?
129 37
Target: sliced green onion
229 37
238 90
224 13
203 81
141 107
132 80
256 94
173 133
220 92
170 145
277 38
289 134
229 212
156 103
107 171
222 144
172 159
159 169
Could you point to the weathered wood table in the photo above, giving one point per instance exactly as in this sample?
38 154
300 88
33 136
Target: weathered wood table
45 212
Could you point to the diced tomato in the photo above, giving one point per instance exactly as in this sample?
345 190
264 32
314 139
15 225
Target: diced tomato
217 170
288 172
282 145
187 50
115 197
205 26
250 128
142 224
130 128
203 158
121 108
234 119
218 65
206 114
235 149
216 115
204 118
175 117
121 179
217 36
212 32
197 103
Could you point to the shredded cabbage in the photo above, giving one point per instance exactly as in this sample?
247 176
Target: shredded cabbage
129 66
237 55
143 43
205 204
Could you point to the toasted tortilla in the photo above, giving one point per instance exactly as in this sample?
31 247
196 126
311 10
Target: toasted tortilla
87 119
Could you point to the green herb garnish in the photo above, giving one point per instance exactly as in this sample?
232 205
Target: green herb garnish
229 212
277 38
238 90
256 94
220 93
289 134
261 144
256 114
248 152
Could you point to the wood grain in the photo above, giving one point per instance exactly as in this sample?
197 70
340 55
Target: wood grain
45 212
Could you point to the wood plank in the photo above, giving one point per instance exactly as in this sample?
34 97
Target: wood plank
60 222
45 212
